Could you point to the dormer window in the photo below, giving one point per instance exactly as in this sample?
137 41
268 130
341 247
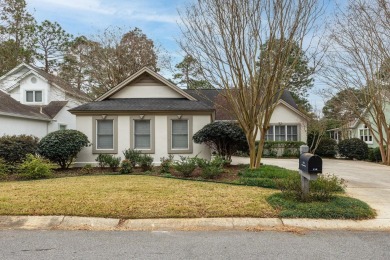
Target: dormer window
34 96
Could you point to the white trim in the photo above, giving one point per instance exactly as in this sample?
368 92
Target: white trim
23 116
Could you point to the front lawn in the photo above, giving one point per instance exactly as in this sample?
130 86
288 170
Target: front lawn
132 196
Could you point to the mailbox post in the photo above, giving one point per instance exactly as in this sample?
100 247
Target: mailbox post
309 166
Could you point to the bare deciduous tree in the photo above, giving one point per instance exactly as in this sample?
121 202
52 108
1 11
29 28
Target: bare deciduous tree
243 48
361 41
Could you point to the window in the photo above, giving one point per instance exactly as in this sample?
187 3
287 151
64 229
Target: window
292 133
142 133
269 136
34 96
282 133
62 127
180 134
105 134
365 135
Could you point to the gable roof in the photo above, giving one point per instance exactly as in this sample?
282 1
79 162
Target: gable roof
151 73
51 79
11 107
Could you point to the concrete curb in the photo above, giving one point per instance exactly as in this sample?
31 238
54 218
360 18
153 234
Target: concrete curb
86 223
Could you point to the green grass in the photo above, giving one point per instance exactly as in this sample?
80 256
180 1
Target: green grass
132 196
339 207
267 176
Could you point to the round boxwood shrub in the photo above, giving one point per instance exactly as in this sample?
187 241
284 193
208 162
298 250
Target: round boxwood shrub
353 148
62 146
326 148
225 138
14 149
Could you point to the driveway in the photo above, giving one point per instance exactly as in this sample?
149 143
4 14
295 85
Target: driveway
369 182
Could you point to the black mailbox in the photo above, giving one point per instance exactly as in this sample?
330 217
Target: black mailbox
310 163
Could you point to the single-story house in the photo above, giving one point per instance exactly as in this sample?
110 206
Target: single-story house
149 113
34 102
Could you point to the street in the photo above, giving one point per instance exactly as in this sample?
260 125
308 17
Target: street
41 244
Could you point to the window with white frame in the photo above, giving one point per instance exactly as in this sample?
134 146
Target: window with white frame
105 134
365 134
34 96
142 133
62 127
142 137
180 134
282 133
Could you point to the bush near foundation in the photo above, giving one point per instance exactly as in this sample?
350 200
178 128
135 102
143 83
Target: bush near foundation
14 148
62 146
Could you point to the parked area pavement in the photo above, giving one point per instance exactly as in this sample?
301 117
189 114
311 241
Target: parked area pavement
369 182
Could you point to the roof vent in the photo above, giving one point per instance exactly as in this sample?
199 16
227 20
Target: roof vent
33 80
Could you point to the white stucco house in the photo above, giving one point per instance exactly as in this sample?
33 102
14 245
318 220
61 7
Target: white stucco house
149 113
34 102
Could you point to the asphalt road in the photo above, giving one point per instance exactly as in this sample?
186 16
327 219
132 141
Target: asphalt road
21 244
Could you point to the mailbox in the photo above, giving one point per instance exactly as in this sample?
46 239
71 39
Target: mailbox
310 163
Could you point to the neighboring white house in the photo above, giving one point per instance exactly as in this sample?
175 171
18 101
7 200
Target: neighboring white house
148 113
42 101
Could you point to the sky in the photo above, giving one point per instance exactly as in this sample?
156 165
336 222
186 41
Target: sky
158 19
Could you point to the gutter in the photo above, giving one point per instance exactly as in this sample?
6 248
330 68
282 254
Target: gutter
27 117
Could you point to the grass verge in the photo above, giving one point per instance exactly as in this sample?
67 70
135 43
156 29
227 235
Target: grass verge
339 207
130 196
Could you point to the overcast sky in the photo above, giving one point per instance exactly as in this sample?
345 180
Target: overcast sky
158 19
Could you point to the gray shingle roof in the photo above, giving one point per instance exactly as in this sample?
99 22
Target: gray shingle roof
144 104
10 106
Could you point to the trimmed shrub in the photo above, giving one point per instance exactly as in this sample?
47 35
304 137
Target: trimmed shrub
126 167
35 167
62 146
3 169
374 154
185 166
166 164
326 148
110 160
211 169
146 162
14 149
353 148
87 169
322 189
225 138
133 156
286 148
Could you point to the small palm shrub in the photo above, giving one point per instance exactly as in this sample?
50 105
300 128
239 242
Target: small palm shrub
35 167
185 166
353 148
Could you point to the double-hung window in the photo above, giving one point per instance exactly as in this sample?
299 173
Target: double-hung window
142 133
105 134
282 133
180 134
365 135
34 96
